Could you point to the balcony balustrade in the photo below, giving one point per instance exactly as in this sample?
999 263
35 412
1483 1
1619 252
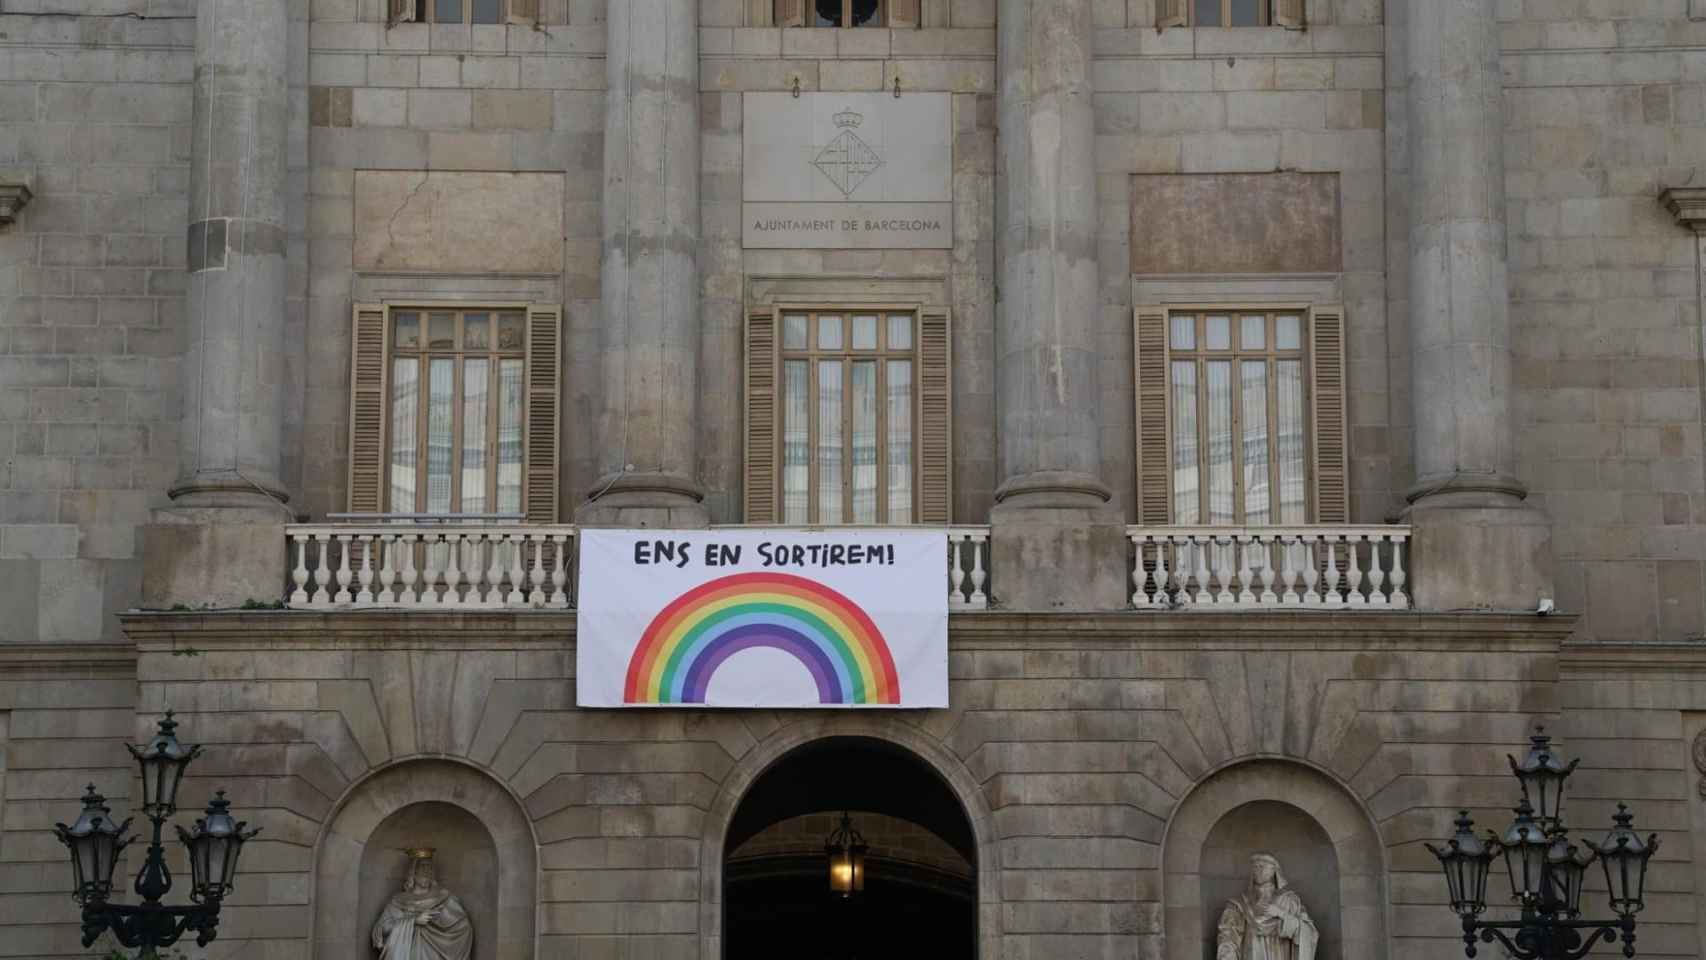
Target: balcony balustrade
461 563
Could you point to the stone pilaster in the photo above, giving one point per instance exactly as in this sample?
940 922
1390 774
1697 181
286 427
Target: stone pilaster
647 432
1477 544
1052 517
221 543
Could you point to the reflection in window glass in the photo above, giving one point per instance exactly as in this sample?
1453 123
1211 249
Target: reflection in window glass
474 331
1217 333
509 436
447 11
1187 497
1254 421
1220 494
865 332
1184 332
864 438
826 13
866 13
474 435
441 331
1289 393
900 331
794 331
1246 13
488 11
1253 332
829 332
829 453
1206 13
1288 332
796 440
441 390
407 335
900 441
405 393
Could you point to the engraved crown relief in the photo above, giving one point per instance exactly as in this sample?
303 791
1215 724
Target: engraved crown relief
847 160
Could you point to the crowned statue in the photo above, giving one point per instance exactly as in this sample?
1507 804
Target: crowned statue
1267 921
424 921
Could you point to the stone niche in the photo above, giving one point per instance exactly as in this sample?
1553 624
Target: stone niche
1305 854
487 855
465 858
1235 223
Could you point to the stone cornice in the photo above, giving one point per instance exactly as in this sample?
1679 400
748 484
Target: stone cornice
1588 661
1324 630
38 661
1687 205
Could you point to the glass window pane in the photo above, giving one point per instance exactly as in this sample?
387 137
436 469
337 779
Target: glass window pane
829 332
1253 393
1253 332
441 389
447 11
1217 332
864 438
441 331
1221 508
405 395
827 13
475 331
796 440
865 331
512 332
900 441
900 331
829 466
474 412
794 331
1187 503
406 331
488 11
865 13
1288 381
1184 332
1206 13
1246 13
509 436
1288 332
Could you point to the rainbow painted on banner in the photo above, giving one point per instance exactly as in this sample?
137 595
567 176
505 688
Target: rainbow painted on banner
700 630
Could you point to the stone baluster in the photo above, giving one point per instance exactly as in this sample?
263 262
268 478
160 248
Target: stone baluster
1399 598
558 565
1353 576
322 570
1242 543
368 543
536 596
300 574
1376 576
1311 568
1330 582
956 572
387 568
410 596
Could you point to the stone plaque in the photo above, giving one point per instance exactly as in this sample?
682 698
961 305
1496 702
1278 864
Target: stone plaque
847 170
1235 223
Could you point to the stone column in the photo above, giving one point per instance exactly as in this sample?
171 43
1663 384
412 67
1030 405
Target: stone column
1477 544
1052 518
220 543
647 436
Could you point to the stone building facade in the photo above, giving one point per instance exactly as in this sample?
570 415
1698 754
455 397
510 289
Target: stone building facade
1474 224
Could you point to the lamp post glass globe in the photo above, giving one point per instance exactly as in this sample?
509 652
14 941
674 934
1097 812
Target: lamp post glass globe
1542 774
1525 846
1465 859
163 761
95 841
214 845
1625 855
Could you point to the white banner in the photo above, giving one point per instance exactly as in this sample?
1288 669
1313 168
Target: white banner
762 618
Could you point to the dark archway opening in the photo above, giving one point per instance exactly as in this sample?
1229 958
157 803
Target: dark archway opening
920 896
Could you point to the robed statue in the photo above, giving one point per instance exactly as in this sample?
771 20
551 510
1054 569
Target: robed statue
1267 921
424 921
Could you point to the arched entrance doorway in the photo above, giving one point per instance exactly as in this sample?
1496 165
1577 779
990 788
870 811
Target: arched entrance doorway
920 891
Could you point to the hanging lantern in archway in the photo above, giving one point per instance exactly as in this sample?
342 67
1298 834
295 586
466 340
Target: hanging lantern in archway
845 849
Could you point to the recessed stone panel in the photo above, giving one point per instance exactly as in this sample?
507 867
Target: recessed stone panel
1235 223
465 223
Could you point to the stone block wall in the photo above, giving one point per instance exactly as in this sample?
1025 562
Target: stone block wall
94 117
1603 113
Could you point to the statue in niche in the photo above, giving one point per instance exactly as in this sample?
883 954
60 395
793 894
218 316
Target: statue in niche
424 921
1267 921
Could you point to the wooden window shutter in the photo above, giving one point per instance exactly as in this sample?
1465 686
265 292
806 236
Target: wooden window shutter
935 416
369 408
1154 452
544 392
903 13
1169 13
400 11
1327 394
524 12
1289 14
790 13
759 474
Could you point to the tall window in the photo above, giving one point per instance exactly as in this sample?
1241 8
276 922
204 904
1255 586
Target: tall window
461 11
847 13
847 417
456 408
1236 383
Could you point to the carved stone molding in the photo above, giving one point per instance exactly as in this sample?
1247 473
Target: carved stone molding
1687 205
13 198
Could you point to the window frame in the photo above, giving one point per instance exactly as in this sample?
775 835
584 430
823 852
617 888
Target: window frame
1235 354
881 356
808 17
426 11
1264 14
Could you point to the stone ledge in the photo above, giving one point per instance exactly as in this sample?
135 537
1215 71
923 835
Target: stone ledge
1300 630
67 661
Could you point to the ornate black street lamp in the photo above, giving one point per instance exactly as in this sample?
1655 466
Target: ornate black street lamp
845 848
95 842
1546 870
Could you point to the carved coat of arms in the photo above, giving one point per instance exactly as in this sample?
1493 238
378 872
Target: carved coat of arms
847 160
